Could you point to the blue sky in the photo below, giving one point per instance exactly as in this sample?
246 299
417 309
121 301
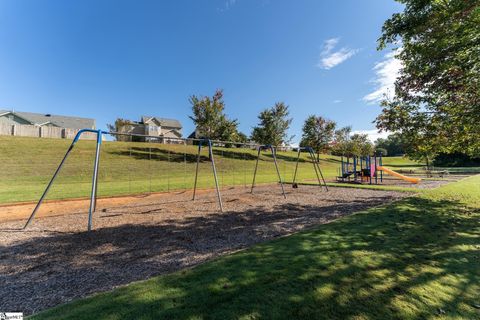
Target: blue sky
111 58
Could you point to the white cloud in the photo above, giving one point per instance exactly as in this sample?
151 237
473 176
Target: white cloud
337 101
228 5
386 72
330 58
372 134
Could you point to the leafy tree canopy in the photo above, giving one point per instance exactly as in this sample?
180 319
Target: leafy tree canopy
273 126
347 144
340 140
210 119
318 133
393 144
436 105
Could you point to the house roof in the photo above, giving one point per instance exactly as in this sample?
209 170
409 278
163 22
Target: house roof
60 121
173 123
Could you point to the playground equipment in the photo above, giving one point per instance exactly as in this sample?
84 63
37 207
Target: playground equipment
214 170
360 169
401 176
274 156
368 169
93 194
147 154
316 167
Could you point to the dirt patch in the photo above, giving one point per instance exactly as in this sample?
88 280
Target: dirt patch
55 260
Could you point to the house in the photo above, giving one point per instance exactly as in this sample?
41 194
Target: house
167 129
40 120
31 124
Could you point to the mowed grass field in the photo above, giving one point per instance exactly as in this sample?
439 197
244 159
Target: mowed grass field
133 168
417 258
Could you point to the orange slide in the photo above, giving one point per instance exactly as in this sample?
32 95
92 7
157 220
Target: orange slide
396 174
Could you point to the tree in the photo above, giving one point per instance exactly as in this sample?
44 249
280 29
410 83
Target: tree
341 138
436 105
318 133
121 126
273 126
210 119
347 144
393 144
381 151
360 145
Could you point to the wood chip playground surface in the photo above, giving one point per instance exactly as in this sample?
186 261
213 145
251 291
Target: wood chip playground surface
137 237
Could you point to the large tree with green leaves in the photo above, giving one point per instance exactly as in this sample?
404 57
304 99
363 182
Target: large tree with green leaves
393 144
347 144
360 145
318 133
273 126
210 120
436 105
341 137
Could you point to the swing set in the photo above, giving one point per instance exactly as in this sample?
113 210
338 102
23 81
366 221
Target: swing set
201 144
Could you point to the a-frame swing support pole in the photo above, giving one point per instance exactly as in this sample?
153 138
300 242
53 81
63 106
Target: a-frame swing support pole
256 168
296 166
214 169
93 196
316 165
318 171
55 174
274 156
39 203
196 170
274 153
215 175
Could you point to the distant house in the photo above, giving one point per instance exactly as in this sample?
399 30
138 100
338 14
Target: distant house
167 129
29 124
40 120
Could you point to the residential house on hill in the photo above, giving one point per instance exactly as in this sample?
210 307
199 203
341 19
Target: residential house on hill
40 120
31 124
167 129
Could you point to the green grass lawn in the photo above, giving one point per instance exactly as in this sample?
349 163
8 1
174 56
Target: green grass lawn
132 168
417 258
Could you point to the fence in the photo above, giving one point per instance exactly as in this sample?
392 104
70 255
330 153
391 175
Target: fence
22 130
127 168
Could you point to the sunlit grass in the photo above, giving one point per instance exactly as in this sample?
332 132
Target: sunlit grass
132 168
414 259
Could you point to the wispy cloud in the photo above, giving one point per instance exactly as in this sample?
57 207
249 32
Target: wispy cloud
228 4
373 134
330 58
337 101
386 73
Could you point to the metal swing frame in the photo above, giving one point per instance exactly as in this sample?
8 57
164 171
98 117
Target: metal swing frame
214 169
274 155
316 167
93 193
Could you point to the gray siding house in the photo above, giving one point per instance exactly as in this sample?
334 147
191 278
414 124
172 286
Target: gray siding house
39 120
29 124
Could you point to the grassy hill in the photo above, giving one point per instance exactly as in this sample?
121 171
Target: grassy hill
133 167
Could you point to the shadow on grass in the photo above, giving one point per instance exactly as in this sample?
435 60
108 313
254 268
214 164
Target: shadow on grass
159 154
386 263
